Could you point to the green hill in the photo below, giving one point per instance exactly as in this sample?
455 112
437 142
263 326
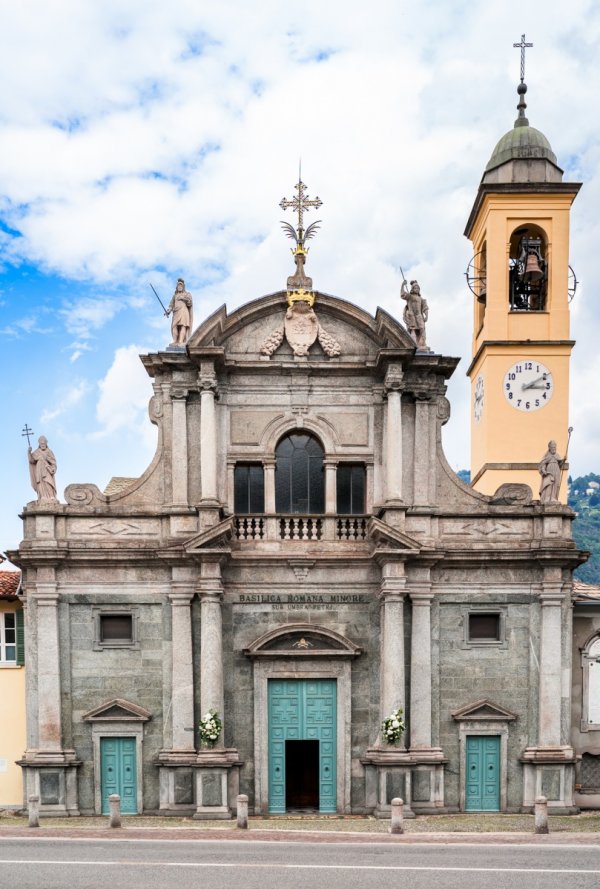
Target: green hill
584 499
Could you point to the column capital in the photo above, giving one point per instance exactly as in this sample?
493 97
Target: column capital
42 597
421 597
179 393
552 597
181 597
393 379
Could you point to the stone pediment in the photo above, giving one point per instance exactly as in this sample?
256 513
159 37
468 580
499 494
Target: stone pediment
217 537
304 640
118 710
385 537
244 331
483 710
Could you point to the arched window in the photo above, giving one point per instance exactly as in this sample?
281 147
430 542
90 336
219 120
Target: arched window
299 476
528 270
590 661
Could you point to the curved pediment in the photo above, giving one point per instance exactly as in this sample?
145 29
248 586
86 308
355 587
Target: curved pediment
302 640
245 331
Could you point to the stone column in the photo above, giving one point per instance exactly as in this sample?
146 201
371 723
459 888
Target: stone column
420 670
550 669
182 705
210 588
421 452
208 434
330 467
393 437
49 713
392 644
179 449
269 470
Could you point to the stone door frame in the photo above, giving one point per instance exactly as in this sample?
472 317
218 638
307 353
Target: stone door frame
315 667
118 719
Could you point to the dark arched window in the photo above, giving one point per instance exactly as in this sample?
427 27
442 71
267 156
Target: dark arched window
299 477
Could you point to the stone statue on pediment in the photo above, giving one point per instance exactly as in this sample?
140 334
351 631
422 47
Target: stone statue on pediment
416 313
181 307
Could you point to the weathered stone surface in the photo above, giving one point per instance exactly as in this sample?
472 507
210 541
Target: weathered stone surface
397 580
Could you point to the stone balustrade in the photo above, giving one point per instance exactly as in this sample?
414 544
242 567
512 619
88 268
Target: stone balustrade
300 527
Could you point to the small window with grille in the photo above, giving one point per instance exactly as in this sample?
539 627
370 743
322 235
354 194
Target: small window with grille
115 628
484 626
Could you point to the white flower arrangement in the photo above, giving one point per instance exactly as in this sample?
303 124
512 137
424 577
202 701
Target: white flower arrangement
210 728
392 726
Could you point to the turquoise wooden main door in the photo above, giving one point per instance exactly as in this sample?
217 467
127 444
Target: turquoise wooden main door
118 769
483 773
302 710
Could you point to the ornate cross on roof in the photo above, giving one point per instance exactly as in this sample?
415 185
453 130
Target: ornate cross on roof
522 46
28 432
300 203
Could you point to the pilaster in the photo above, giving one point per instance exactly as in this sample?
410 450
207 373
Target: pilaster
208 434
393 435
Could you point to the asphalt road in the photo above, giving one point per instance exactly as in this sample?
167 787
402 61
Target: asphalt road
148 864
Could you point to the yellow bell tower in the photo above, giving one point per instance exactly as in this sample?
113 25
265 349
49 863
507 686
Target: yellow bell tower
522 282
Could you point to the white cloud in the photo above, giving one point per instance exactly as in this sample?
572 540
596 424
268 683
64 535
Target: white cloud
124 393
66 400
141 137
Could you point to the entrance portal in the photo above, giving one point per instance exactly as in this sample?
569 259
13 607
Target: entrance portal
302 774
302 744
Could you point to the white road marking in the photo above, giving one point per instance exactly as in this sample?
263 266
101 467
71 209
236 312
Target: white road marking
264 866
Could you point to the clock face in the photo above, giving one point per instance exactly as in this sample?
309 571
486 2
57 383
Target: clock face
478 398
528 385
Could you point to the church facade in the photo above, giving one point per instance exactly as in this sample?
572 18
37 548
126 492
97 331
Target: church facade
299 562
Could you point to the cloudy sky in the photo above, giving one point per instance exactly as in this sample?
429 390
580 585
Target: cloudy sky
143 140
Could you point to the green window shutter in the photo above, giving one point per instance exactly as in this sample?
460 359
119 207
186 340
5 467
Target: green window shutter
20 637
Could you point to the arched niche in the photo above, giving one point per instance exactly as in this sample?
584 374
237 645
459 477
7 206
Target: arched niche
528 269
590 663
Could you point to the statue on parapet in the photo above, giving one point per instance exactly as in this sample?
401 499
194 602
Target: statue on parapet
416 313
42 470
550 468
181 307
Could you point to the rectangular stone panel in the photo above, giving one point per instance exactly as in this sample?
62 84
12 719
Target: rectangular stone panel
395 785
352 428
211 789
551 783
421 786
184 788
49 788
247 426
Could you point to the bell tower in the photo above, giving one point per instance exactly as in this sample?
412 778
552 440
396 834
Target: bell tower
522 284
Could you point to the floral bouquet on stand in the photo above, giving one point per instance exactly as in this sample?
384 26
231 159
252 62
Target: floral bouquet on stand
210 728
392 726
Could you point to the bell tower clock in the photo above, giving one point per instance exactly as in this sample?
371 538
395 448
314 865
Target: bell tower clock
522 284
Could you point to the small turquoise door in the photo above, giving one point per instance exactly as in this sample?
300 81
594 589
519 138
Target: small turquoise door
483 773
118 768
302 710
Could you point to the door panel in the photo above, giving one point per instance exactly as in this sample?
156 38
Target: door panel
118 767
302 710
482 791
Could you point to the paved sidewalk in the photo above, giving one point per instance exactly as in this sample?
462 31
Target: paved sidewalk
425 829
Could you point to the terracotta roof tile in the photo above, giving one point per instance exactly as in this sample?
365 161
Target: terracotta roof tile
9 584
583 592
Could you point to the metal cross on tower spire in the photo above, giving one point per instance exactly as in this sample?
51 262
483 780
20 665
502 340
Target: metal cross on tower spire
522 46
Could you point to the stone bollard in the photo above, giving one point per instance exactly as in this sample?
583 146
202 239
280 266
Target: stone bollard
397 815
34 811
114 801
242 811
540 815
